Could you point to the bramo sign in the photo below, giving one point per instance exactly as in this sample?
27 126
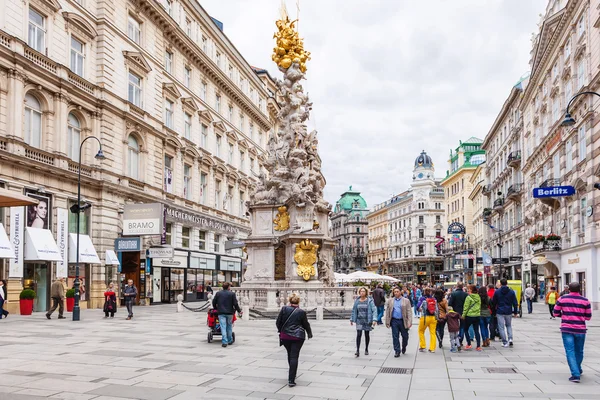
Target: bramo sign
554 191
142 219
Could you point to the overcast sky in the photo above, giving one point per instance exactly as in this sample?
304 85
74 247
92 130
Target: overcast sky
390 78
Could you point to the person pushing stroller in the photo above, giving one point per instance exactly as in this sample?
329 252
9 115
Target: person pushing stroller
226 304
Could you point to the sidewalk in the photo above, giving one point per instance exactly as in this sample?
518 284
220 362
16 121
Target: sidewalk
161 354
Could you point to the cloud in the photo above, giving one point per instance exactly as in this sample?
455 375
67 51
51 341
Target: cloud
393 78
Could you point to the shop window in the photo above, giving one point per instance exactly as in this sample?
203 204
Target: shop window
202 240
185 237
217 243
169 233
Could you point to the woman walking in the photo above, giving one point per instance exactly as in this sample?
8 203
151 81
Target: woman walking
293 327
3 298
429 308
485 316
471 314
364 315
110 301
442 311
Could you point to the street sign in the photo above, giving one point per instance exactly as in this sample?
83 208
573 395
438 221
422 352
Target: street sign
234 244
554 191
456 228
499 260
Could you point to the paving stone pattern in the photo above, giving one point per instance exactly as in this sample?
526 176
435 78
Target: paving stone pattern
161 354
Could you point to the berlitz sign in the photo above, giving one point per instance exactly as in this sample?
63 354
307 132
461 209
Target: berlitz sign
142 219
556 191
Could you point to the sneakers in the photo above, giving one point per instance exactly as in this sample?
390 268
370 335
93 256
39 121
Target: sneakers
479 349
397 354
574 379
291 383
468 347
48 316
504 344
453 350
431 351
422 350
223 345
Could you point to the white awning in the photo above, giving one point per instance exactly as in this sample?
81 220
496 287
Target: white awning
6 249
40 245
87 252
110 258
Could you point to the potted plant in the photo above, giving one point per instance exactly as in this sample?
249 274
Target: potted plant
26 301
553 236
487 212
535 239
70 299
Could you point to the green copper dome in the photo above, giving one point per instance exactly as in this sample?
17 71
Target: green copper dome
351 200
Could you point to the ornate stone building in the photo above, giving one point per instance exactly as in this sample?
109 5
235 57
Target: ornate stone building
378 227
182 117
349 229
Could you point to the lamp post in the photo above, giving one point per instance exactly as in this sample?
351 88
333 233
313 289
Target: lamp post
77 209
569 120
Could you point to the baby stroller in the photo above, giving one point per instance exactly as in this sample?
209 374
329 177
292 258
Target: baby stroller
214 328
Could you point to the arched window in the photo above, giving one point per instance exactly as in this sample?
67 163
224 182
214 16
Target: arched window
74 137
133 157
33 121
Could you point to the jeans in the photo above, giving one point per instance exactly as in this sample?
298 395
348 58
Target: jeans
529 306
573 343
472 322
440 331
226 322
399 329
4 312
461 332
129 305
427 321
380 314
494 327
484 323
505 327
57 302
415 308
551 309
454 342
293 351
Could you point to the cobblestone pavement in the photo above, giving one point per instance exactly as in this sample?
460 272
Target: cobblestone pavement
161 354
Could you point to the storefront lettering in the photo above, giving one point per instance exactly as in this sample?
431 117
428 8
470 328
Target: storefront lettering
201 221
573 260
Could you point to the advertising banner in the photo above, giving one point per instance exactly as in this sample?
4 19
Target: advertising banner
17 225
143 219
62 240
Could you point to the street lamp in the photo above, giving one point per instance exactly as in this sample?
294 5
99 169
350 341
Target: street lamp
77 209
569 120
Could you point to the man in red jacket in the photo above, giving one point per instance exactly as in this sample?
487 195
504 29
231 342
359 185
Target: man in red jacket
493 321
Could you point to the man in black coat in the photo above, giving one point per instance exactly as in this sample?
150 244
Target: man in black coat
457 302
379 300
226 304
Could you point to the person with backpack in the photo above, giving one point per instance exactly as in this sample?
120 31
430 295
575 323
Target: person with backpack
457 302
443 310
429 309
471 316
453 319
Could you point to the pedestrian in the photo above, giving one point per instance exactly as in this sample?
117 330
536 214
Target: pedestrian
364 315
379 299
130 294
453 319
110 301
3 299
457 302
494 321
485 317
505 302
551 299
226 304
293 328
416 297
471 316
398 316
529 296
429 310
57 293
443 310
574 310
565 291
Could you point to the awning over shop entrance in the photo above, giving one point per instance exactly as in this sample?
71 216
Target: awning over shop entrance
87 252
6 249
111 258
40 245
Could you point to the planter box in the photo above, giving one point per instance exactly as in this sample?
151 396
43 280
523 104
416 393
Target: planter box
70 304
26 306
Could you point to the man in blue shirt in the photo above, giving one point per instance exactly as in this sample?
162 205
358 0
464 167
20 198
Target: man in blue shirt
398 316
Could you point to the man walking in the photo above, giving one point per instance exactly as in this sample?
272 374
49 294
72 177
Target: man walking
574 310
529 296
398 316
226 304
457 302
505 301
565 291
379 299
57 293
130 293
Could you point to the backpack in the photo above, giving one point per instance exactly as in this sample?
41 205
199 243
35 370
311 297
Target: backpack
431 306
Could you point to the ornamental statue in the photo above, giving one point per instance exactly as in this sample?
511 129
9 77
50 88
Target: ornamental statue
282 219
306 257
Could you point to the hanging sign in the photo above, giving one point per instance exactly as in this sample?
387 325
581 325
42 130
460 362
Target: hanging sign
62 235
456 228
17 224
556 191
539 260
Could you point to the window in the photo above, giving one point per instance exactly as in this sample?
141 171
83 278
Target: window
421 234
74 136
241 122
168 185
169 114
203 91
134 94
230 154
203 187
438 233
582 145
37 31
567 49
33 121
556 165
218 103
134 30
201 240
77 56
218 203
251 131
231 72
167 4
581 25
242 204
421 219
187 77
218 59
204 44
169 233
568 90
583 217
555 109
187 132
251 164
169 62
242 161
260 104
187 182
218 146
580 74
133 157
421 250
185 237
569 155
188 27
203 136
438 219
216 243
230 115
555 71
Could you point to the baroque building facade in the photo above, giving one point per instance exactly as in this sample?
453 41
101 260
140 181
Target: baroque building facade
349 230
377 221
183 120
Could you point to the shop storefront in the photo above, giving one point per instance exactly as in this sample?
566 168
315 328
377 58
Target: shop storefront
172 280
576 266
230 270
202 273
87 257
132 266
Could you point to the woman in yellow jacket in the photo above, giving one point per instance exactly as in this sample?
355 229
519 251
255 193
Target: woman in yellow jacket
551 299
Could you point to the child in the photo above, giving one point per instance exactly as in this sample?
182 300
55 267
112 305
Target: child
453 322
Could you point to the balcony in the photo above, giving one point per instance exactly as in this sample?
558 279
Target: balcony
514 191
548 245
550 183
487 190
514 159
499 204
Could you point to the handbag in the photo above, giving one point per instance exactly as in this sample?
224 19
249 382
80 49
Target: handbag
285 323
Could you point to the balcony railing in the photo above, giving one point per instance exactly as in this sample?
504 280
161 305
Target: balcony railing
514 190
514 158
550 183
499 203
548 245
